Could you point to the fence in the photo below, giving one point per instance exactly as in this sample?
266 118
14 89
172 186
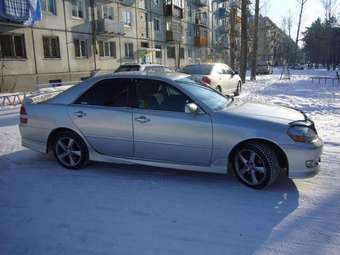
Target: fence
14 99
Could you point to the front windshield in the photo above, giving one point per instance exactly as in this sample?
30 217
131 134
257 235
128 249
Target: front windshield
208 96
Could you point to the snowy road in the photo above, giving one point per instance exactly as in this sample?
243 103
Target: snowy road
111 209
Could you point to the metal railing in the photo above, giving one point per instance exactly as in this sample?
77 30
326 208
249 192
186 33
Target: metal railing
14 99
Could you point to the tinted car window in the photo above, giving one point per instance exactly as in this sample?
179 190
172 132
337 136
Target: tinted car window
158 95
198 69
109 92
128 68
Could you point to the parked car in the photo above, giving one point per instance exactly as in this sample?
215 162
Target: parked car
171 121
217 76
297 67
143 68
264 68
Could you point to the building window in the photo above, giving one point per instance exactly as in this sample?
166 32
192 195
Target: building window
144 44
12 46
126 17
107 49
156 24
49 6
190 53
78 8
171 52
159 51
51 47
181 53
106 12
80 48
155 3
128 50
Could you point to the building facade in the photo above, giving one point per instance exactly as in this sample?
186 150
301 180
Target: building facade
78 37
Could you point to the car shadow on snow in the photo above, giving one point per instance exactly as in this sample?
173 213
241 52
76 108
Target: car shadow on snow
146 210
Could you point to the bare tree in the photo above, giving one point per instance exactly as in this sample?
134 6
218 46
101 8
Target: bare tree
244 39
330 7
302 5
255 40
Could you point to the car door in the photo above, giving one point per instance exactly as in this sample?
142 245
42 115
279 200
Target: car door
229 81
104 118
163 131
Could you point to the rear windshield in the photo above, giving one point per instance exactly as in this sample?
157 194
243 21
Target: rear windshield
198 69
128 68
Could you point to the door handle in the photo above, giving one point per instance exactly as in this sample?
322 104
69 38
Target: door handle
142 119
79 114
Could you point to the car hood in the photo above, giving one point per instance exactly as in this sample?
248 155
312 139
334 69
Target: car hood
266 112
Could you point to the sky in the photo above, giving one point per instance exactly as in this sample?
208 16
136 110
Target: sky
277 9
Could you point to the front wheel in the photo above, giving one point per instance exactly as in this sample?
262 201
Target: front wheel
70 150
256 165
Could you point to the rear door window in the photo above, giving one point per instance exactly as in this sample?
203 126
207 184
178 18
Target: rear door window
108 92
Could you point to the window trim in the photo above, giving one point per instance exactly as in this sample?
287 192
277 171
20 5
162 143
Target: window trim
50 47
49 12
86 48
84 10
24 51
125 11
128 56
111 56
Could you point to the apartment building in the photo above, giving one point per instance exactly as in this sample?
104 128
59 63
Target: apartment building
78 37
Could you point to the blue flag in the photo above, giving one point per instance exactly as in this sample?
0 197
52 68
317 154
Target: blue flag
35 13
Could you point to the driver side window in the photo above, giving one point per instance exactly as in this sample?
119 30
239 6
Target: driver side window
158 95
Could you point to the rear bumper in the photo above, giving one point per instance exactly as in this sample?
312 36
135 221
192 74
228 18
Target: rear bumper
34 138
304 159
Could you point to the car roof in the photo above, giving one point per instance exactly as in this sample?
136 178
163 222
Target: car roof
136 64
139 74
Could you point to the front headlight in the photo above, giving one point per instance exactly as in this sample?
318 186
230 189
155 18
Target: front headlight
302 134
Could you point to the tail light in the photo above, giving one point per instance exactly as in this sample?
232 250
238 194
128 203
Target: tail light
206 80
23 115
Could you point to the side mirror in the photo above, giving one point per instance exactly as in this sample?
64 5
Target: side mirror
191 108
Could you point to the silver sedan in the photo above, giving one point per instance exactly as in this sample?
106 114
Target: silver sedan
171 121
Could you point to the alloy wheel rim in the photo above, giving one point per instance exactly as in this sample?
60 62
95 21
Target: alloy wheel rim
250 167
68 151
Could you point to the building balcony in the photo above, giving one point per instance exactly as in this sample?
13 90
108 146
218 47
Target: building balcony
171 10
200 2
201 41
126 2
174 36
201 21
108 26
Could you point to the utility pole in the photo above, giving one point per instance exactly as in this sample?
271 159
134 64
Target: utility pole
255 39
244 40
302 4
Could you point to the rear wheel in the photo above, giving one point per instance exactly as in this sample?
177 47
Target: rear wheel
238 89
70 150
256 165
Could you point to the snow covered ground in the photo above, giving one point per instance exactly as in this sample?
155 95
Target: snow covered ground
116 209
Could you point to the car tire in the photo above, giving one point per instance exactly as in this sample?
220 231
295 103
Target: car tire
238 89
70 150
257 171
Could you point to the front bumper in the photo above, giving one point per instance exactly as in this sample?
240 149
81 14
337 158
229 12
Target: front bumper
304 159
